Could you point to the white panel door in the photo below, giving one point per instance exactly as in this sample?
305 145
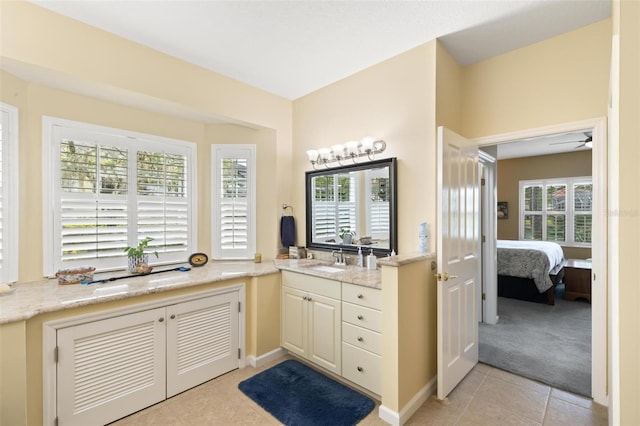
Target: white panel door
294 320
202 340
458 258
111 368
325 324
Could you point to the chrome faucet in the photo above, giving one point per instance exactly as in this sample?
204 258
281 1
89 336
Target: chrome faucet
341 258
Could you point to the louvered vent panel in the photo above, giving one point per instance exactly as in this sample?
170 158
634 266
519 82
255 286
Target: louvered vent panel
113 364
203 336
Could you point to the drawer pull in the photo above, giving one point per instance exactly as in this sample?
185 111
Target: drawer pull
360 339
360 296
360 369
161 319
304 297
309 299
360 317
173 316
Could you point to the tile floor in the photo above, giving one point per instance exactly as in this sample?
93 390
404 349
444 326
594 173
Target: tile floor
487 396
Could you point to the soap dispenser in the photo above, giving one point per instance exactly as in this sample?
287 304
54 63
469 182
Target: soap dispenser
360 258
371 261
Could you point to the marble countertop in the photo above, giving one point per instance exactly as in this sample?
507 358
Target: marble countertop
30 299
347 274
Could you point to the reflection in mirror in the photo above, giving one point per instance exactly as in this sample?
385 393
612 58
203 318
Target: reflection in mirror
352 206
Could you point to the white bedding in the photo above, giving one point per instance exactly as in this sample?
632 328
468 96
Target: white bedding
552 250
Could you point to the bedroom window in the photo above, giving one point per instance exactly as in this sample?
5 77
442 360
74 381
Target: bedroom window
8 193
558 210
110 188
234 200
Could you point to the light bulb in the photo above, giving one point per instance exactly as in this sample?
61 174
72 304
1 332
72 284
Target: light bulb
313 155
338 151
367 144
352 147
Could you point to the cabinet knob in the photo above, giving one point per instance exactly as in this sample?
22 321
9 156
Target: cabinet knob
309 299
360 296
360 339
304 297
161 319
173 316
360 317
360 369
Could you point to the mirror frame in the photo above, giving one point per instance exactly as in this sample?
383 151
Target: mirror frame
393 206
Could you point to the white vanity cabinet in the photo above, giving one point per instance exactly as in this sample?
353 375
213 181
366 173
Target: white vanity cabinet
112 367
361 336
311 319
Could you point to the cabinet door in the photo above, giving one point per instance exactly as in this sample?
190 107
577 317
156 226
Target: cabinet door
294 320
111 368
202 341
325 332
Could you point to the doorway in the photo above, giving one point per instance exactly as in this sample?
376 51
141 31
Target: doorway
597 127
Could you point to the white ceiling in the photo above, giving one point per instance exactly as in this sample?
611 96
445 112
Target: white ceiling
292 48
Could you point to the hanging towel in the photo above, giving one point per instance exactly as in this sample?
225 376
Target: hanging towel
287 231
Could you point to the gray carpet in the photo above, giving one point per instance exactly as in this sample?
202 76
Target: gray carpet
550 344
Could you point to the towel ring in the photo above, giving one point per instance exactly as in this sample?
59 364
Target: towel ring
285 207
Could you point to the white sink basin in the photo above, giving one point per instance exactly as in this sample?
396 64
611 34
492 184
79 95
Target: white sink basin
324 268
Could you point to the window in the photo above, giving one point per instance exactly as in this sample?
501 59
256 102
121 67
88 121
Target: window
234 199
377 190
110 188
335 206
8 193
558 210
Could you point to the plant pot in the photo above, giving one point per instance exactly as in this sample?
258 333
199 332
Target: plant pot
347 239
135 260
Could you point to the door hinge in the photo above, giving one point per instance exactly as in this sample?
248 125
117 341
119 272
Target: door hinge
239 306
55 354
55 422
238 353
482 181
484 296
484 239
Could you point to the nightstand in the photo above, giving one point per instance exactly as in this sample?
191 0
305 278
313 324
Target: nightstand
577 279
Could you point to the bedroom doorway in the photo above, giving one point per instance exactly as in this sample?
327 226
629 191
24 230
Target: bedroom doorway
596 130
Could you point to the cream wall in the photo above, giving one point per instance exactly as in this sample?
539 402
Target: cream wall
512 171
626 18
395 101
558 80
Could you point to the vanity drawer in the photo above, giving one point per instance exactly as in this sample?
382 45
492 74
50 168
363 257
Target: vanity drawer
317 285
362 338
362 316
360 295
362 367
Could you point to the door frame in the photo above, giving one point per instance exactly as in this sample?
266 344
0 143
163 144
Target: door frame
599 254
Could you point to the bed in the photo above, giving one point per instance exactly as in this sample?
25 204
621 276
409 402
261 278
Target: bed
529 270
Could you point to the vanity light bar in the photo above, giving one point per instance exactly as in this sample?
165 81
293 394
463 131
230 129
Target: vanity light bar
350 150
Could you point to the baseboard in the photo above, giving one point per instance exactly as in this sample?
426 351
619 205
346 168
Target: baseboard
398 419
256 362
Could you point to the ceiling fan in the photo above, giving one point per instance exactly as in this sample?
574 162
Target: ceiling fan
588 142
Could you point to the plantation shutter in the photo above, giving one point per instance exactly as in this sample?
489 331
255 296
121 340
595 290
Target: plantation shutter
234 201
93 201
163 201
378 206
335 206
8 193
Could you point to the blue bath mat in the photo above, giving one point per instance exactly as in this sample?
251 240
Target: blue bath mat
300 396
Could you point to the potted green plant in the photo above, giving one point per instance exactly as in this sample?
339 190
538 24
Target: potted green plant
138 259
346 235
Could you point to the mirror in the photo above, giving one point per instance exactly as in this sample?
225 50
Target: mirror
352 206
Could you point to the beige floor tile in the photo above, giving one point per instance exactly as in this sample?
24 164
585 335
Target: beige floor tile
472 382
490 413
435 412
517 398
482 368
572 398
562 413
519 380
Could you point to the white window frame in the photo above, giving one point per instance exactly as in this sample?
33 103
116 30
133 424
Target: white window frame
240 151
569 212
10 213
134 141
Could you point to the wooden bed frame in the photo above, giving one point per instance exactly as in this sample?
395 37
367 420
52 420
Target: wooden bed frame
525 288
